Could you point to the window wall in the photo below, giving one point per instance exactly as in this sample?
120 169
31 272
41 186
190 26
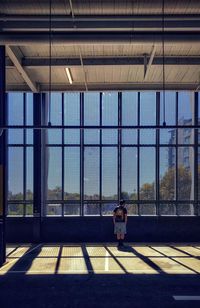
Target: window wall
108 146
20 155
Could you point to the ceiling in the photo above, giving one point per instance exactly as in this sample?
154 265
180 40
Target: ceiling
107 45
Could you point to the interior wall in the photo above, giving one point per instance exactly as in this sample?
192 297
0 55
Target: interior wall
100 229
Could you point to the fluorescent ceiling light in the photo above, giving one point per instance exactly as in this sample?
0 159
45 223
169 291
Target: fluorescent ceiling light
69 76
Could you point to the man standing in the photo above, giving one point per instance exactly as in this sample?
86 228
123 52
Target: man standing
120 221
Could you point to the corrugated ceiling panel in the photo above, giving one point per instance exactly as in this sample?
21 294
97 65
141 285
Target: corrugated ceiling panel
179 50
86 51
110 50
100 7
43 51
182 73
58 75
13 77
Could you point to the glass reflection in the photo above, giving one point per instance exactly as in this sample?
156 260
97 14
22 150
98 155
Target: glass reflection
72 173
15 173
147 173
129 173
54 173
91 173
109 173
167 174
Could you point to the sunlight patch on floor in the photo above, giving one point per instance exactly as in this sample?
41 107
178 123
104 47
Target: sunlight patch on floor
101 259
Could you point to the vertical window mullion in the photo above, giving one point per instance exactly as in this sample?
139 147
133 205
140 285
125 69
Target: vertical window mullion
138 155
157 152
81 154
119 146
24 153
176 160
196 132
100 158
63 161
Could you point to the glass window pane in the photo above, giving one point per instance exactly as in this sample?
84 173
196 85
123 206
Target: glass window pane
72 209
109 173
132 209
147 136
15 136
29 209
167 209
91 136
198 136
91 173
129 108
185 136
29 108
147 108
29 136
91 209
56 108
185 108
108 208
91 109
15 108
54 209
54 173
147 209
185 173
110 108
72 109
72 173
29 173
15 173
147 173
72 136
170 108
167 173
109 136
54 136
185 209
167 136
129 173
15 209
129 136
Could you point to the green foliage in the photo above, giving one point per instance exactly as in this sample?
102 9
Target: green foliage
167 185
147 191
184 183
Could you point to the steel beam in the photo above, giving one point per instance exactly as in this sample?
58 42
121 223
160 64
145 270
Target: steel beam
118 86
100 38
119 23
3 173
149 63
139 60
100 18
13 54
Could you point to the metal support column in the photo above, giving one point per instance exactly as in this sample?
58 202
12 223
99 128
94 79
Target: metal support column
2 157
158 206
196 163
37 166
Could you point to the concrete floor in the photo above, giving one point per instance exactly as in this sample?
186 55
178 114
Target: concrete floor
93 275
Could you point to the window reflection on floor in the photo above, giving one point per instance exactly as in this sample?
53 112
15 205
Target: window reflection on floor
102 259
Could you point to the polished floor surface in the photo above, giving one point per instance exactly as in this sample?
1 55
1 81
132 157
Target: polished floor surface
101 276
102 259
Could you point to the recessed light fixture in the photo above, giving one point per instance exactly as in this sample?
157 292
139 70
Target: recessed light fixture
69 76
